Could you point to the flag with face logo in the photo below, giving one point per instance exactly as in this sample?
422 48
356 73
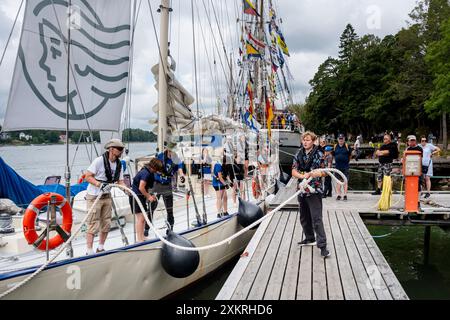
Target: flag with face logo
99 34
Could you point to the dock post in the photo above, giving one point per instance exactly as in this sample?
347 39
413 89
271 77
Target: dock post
426 245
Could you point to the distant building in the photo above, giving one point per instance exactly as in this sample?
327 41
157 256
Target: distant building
23 136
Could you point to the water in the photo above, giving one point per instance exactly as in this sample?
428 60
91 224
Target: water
36 162
403 249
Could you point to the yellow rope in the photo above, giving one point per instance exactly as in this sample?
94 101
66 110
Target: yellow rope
386 195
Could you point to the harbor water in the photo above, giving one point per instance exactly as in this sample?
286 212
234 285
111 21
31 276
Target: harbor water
421 279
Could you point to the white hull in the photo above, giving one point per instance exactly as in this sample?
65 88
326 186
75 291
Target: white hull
133 272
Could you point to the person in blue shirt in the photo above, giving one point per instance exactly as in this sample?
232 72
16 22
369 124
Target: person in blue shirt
342 154
142 182
163 182
220 184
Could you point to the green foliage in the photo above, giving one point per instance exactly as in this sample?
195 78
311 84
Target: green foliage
138 135
399 83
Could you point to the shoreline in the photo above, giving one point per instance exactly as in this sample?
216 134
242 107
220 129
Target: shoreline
58 144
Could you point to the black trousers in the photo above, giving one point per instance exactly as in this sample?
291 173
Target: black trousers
327 190
164 190
311 218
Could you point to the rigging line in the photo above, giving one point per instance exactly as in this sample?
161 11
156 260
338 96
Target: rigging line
214 38
127 119
221 36
66 47
206 51
10 34
195 55
179 34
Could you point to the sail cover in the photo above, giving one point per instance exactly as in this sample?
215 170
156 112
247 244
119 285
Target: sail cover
99 33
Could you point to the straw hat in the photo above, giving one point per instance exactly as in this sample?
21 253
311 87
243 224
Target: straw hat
114 143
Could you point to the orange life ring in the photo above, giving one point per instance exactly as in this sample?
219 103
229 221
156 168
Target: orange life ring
256 190
81 180
29 220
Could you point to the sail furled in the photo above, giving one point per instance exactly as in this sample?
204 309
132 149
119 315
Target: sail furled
100 35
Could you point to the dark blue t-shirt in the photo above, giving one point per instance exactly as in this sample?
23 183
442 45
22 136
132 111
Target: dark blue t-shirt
342 156
143 175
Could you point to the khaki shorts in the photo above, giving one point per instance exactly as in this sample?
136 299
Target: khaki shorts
100 219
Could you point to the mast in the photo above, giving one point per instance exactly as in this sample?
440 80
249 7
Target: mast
164 9
67 173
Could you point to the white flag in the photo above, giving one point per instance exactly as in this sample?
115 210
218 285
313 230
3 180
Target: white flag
99 32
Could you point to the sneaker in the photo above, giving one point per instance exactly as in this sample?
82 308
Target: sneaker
345 198
307 243
99 250
226 213
324 252
324 196
146 233
338 198
219 215
376 192
427 195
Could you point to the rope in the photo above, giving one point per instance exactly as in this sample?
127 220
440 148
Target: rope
386 235
159 236
10 34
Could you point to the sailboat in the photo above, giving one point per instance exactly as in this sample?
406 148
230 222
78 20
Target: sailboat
65 76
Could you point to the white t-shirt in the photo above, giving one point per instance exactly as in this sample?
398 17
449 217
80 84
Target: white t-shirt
427 151
98 169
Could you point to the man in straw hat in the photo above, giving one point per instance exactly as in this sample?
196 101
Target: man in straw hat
163 181
103 171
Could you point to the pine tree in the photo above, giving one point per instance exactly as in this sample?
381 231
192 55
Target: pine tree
347 42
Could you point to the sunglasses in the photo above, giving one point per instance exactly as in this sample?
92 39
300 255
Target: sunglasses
118 148
424 140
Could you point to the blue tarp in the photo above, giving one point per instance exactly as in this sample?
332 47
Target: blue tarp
22 192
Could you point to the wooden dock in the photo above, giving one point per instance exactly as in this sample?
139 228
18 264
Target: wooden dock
274 266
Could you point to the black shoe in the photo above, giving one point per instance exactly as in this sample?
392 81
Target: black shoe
338 198
324 196
324 252
226 214
146 233
345 198
307 243
427 195
219 215
376 193
329 195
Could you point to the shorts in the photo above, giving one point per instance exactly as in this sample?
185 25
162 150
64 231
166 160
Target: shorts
100 218
384 169
218 188
134 204
346 173
427 170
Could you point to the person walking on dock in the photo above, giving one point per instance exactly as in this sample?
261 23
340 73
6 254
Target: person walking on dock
427 162
387 153
305 164
103 171
342 154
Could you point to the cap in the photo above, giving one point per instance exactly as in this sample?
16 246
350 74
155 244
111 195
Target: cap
328 148
411 137
341 136
114 143
170 145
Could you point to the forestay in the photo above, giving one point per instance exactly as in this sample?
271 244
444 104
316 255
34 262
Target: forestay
99 60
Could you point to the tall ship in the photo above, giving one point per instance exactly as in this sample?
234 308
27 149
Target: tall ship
73 72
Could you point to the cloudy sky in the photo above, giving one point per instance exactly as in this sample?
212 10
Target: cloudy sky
311 29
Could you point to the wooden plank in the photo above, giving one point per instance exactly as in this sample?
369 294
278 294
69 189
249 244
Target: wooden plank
359 272
262 278
378 284
395 288
289 289
334 284
235 276
349 286
319 280
304 285
273 290
246 282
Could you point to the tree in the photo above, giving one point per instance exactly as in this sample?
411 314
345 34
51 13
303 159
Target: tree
437 57
347 41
